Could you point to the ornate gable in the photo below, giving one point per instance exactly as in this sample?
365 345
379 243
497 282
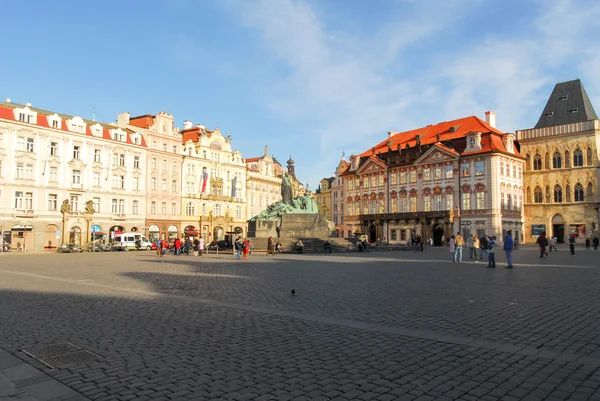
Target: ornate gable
436 154
371 166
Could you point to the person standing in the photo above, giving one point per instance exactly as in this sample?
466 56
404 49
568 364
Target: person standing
491 252
587 244
245 249
552 243
158 244
595 241
238 247
451 246
196 246
200 245
508 248
270 247
483 246
164 246
542 241
459 242
188 245
572 244
177 246
470 246
475 247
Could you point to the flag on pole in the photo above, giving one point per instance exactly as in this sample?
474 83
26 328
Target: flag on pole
204 180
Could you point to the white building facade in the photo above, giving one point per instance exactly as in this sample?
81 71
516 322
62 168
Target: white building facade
263 183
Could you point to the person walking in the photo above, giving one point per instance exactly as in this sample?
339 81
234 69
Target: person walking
270 247
572 244
552 243
508 248
238 245
200 245
491 252
195 246
470 246
595 241
587 244
245 249
459 242
158 244
188 246
483 246
451 246
542 242
164 246
177 246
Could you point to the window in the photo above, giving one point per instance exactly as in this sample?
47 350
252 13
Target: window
30 145
480 200
154 145
153 207
173 208
479 168
508 170
427 203
136 162
53 148
520 172
578 192
135 183
96 179
163 184
567 159
501 168
154 163
509 201
413 176
19 198
437 173
76 177
97 156
204 209
174 186
29 171
502 201
590 189
118 181
537 162
76 152
135 207
52 202
174 150
437 202
350 184
54 124
413 204
427 174
557 194
74 203
153 183
20 171
238 212
26 118
217 210
164 165
164 147
465 170
514 171
121 206
190 188
538 196
164 205
449 201
449 172
115 206
20 143
466 201
189 208
380 181
394 205
577 158
96 203
403 177
556 160
589 158
373 182
366 183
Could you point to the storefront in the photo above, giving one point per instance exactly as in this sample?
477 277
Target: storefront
172 233
97 235
153 233
22 237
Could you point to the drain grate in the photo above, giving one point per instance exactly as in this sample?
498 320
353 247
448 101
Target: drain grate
60 355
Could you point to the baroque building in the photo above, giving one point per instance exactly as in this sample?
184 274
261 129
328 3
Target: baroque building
323 197
263 183
562 170
213 188
162 173
337 199
461 175
51 162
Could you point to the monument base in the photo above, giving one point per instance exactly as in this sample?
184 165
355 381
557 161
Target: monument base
292 225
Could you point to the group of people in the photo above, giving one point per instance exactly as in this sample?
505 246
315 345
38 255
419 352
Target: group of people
242 248
544 242
188 246
485 244
272 248
417 243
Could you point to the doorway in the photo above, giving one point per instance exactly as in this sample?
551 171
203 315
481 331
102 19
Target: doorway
372 233
438 234
558 228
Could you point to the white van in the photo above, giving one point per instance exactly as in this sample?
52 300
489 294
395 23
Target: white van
126 241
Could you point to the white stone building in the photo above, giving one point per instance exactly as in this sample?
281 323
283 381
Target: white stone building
263 183
47 158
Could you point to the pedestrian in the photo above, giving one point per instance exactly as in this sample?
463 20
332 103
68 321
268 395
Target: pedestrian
246 249
177 246
491 251
300 247
475 247
188 246
542 242
164 246
278 247
516 241
587 244
196 246
508 248
470 246
451 245
459 242
553 242
572 244
158 244
200 245
596 241
238 245
483 245
270 247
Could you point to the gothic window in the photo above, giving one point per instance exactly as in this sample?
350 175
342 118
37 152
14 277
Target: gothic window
589 156
557 194
538 197
528 195
547 161
568 193
567 159
556 160
578 191
577 158
590 189
537 162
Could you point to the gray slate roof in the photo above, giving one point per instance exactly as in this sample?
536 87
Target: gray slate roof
568 103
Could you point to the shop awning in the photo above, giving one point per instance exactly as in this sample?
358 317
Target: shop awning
191 232
98 233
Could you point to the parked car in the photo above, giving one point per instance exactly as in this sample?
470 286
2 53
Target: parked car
99 248
69 248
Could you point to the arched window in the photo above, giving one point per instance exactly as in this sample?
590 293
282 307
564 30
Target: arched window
217 209
528 163
537 162
589 157
538 196
590 189
567 159
568 193
189 208
577 158
528 195
557 194
547 161
556 160
578 191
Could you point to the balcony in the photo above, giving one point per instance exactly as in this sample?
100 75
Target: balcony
24 213
118 216
441 214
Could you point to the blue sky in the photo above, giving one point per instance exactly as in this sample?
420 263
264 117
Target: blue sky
310 78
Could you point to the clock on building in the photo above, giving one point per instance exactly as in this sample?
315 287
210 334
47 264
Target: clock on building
472 141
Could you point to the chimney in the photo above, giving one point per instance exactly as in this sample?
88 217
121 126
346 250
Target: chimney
202 127
187 124
28 104
123 119
7 100
490 118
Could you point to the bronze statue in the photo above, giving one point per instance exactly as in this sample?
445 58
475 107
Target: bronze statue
65 207
287 191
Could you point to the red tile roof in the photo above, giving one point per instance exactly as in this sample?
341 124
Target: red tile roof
193 134
145 121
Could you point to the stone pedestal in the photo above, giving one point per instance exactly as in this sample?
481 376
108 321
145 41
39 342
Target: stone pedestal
293 225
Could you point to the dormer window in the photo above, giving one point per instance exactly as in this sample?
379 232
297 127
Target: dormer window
575 110
25 118
550 114
119 136
54 124
564 97
97 130
77 128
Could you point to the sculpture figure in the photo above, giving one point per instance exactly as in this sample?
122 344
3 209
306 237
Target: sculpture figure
65 207
89 207
287 190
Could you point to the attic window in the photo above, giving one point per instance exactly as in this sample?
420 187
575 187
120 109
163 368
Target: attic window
550 114
452 129
564 97
575 110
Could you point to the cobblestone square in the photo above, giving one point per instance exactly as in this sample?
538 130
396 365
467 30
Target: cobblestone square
382 325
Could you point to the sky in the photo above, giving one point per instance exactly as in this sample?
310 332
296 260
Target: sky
312 79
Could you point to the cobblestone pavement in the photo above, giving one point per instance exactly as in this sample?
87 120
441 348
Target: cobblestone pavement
374 326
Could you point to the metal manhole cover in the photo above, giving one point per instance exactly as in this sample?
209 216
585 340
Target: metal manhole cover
59 355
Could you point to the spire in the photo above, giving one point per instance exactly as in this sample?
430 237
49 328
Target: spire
568 103
266 150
